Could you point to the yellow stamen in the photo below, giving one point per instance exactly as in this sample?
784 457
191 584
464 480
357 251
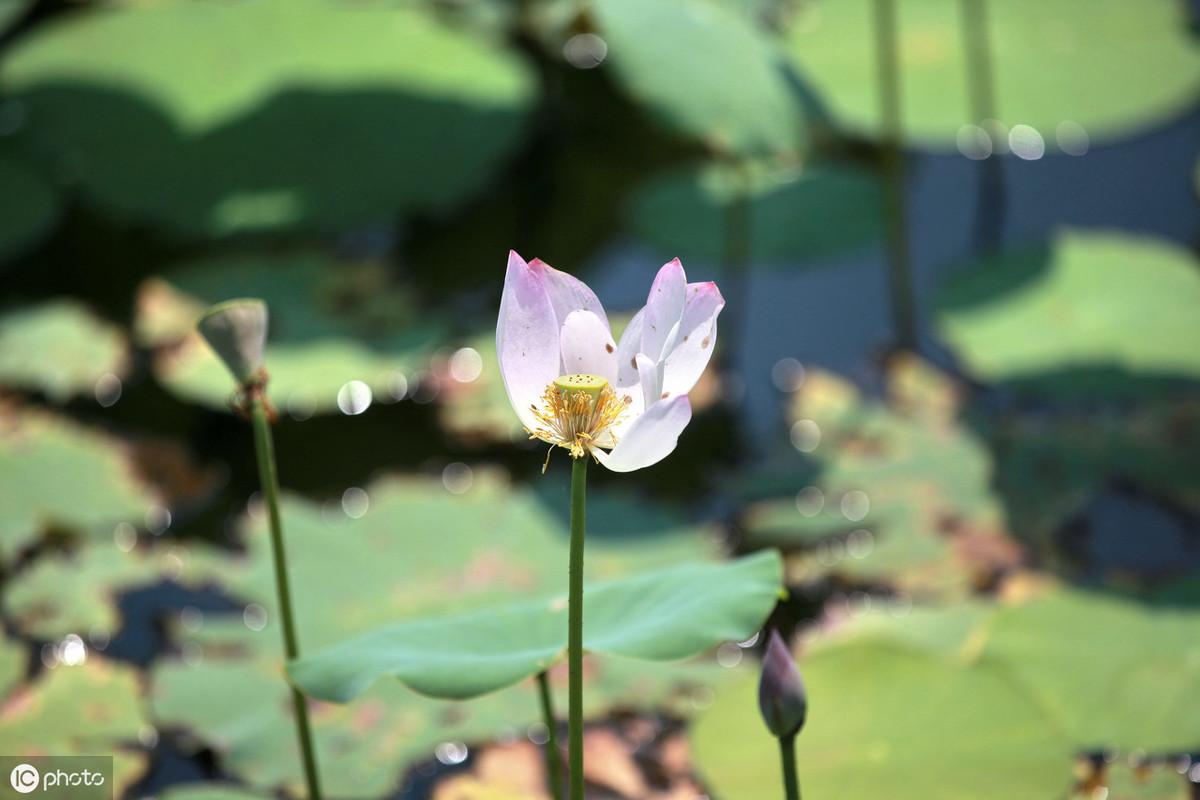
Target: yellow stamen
575 413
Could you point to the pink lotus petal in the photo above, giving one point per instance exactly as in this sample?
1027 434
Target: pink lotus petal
526 337
696 339
664 308
587 346
650 438
567 293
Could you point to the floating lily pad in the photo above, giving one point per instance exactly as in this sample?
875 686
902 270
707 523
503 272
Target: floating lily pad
1108 65
658 616
330 324
661 51
56 474
64 593
100 700
14 660
793 217
417 550
886 721
1091 314
211 792
399 111
1114 673
897 492
59 348
29 205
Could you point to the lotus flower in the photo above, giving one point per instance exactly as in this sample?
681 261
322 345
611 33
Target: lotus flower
572 386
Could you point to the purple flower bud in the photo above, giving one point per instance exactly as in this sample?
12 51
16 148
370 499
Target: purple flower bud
237 331
781 695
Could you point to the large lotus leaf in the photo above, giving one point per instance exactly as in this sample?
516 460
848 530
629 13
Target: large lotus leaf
1112 671
14 660
364 748
659 616
210 792
59 348
1115 673
793 217
330 323
1108 65
29 205
54 473
91 709
662 51
64 593
186 114
896 492
887 721
418 550
1091 313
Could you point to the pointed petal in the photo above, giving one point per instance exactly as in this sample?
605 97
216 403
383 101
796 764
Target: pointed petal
664 308
697 339
630 346
526 338
587 346
650 438
567 293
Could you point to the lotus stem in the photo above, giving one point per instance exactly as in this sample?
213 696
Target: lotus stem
268 476
554 775
787 755
575 627
989 216
900 283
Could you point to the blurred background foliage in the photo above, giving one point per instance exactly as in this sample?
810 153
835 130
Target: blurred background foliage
956 383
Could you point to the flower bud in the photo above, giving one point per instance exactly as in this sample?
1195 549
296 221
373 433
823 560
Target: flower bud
781 696
237 331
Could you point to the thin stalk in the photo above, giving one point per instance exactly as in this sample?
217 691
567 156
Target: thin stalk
787 754
900 283
575 627
553 754
989 216
736 259
268 476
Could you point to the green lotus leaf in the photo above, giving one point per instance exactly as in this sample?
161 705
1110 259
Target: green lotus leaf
330 323
417 550
792 218
64 593
662 50
1114 672
185 115
29 205
1085 315
660 616
888 492
103 705
57 474
210 792
59 348
888 721
1109 66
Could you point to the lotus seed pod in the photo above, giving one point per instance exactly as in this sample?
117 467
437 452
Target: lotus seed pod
237 331
781 696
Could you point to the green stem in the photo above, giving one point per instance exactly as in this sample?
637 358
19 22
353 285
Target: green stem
553 754
900 281
787 754
268 476
575 627
989 216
